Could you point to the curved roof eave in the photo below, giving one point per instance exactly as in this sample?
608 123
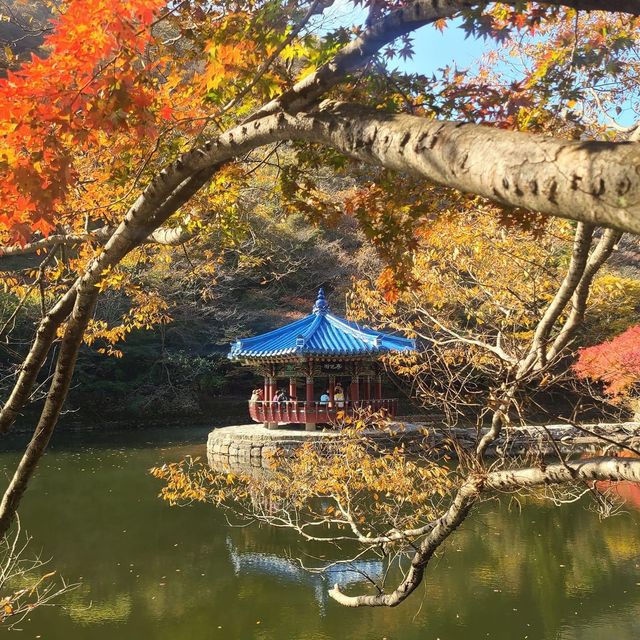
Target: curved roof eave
319 334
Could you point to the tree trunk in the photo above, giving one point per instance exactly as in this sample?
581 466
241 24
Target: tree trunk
56 396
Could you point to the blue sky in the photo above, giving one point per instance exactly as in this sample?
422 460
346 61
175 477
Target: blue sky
435 49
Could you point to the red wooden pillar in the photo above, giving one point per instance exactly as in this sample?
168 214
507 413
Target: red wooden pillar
274 388
378 387
367 388
293 389
310 411
267 389
355 389
332 391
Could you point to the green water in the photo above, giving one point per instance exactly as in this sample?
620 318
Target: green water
150 571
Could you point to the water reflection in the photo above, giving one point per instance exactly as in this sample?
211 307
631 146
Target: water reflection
150 571
289 571
117 609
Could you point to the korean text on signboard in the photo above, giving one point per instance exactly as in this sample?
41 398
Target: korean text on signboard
332 367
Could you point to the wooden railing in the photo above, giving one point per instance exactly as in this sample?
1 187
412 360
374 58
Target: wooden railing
316 412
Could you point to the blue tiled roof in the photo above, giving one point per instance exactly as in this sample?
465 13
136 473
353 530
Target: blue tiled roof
320 333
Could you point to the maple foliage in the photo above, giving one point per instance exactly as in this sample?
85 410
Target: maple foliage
615 362
110 89
352 488
100 110
476 296
552 69
55 106
128 96
114 97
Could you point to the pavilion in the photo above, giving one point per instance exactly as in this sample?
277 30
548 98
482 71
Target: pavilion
319 346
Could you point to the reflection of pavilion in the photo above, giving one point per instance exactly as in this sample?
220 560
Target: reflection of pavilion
324 346
287 570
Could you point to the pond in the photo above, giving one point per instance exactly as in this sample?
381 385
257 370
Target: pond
151 571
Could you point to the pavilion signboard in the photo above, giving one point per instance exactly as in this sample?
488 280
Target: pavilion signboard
332 368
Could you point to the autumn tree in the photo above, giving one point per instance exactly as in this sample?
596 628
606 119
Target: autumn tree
26 582
499 315
478 299
133 130
616 363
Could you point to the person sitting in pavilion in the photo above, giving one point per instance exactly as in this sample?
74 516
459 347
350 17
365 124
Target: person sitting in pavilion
324 398
281 396
338 396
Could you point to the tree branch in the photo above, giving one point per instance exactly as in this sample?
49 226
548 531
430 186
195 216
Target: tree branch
169 236
73 335
579 255
496 349
441 529
589 470
591 182
600 255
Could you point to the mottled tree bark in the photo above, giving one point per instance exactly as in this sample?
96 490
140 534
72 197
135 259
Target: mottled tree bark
579 256
65 365
589 469
580 295
592 182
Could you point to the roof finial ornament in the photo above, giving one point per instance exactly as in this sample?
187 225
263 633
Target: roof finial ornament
321 306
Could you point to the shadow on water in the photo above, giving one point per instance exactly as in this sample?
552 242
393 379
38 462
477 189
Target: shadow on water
123 437
151 571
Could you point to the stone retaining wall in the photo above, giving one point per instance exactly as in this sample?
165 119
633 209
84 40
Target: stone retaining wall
252 445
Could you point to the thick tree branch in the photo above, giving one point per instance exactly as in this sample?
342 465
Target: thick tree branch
439 531
74 332
579 255
169 236
600 255
588 470
394 25
592 182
